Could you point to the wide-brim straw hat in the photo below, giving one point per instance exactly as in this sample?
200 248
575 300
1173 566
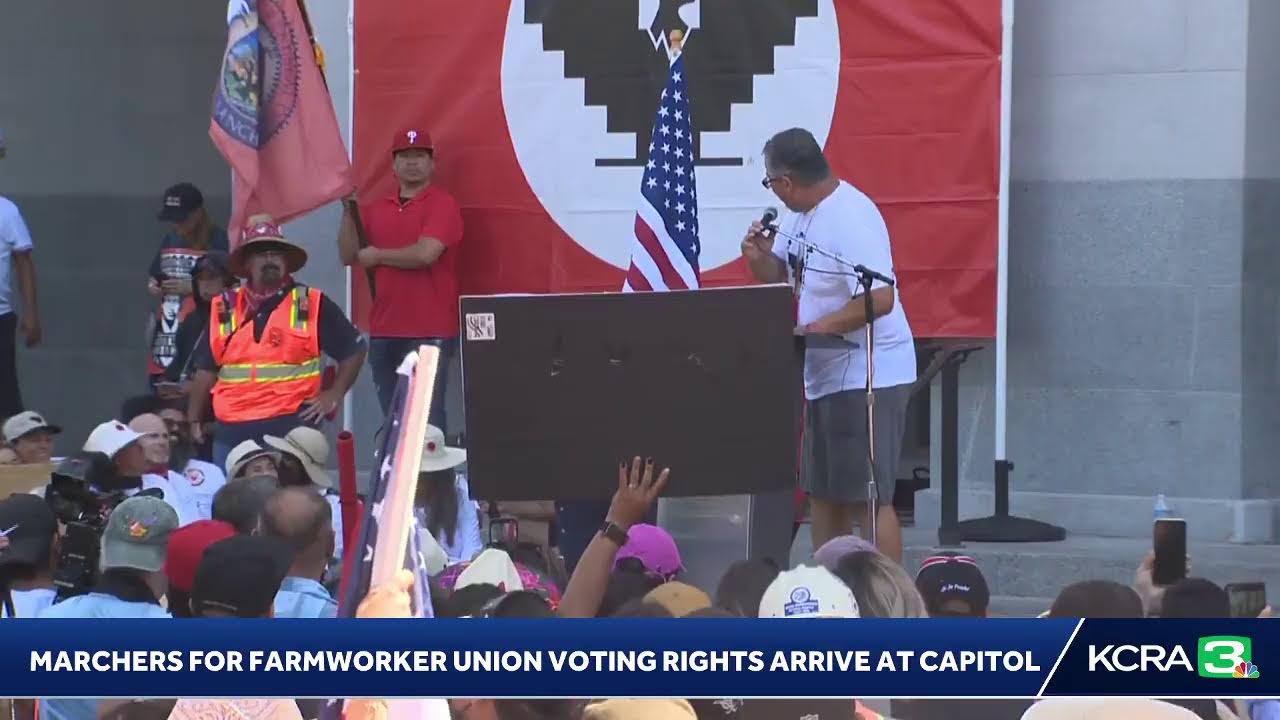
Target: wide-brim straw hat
310 447
438 456
244 453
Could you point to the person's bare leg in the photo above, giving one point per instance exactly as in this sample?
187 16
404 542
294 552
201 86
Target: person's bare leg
831 519
889 532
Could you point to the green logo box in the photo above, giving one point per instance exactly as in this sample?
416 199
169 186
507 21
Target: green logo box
1218 655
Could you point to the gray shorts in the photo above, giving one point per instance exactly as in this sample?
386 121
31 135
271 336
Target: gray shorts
835 444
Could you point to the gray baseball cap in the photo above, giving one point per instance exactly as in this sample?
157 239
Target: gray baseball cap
137 534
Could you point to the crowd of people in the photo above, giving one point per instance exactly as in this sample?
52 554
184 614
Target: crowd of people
226 505
267 550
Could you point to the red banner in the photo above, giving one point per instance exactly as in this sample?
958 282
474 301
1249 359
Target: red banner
541 112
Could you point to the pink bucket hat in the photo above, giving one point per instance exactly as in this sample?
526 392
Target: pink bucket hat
654 548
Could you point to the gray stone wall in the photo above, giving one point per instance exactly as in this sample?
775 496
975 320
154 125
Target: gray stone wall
1142 331
105 104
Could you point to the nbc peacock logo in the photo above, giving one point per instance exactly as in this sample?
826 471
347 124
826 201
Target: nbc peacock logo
1245 670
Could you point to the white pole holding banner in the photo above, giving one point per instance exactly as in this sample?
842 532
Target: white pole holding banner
348 403
1003 526
1002 232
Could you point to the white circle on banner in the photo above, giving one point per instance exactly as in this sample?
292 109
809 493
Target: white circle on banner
558 138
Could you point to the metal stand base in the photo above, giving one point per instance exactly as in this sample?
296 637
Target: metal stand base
1010 528
1003 527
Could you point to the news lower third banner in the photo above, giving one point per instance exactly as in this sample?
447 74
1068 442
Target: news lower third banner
638 658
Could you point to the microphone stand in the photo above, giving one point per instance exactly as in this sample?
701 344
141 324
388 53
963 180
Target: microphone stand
873 489
866 277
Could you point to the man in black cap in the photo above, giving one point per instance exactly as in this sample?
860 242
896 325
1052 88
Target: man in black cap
239 577
192 234
953 586
28 536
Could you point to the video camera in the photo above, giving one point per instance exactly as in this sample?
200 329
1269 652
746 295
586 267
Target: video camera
82 491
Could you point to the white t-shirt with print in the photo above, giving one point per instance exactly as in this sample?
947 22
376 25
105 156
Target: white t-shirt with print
14 238
849 225
198 484
173 494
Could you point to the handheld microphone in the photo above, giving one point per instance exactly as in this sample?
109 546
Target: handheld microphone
768 218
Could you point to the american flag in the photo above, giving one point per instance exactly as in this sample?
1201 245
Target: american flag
367 541
358 586
665 254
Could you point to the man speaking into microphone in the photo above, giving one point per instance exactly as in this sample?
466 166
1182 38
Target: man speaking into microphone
829 228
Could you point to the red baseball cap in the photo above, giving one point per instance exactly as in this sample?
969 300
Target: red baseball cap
412 138
186 547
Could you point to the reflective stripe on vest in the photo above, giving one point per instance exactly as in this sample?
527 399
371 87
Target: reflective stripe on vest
269 372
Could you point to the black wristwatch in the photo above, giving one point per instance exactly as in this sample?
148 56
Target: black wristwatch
614 532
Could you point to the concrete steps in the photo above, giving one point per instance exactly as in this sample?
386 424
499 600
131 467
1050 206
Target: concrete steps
1024 578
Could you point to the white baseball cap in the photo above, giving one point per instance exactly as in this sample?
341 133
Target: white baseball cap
110 438
26 422
808 592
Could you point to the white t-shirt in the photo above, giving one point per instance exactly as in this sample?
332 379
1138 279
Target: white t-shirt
198 484
173 494
848 225
14 238
29 603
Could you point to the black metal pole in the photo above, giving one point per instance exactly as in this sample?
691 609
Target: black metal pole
1003 468
949 527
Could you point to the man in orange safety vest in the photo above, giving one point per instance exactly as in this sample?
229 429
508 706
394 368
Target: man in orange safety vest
260 359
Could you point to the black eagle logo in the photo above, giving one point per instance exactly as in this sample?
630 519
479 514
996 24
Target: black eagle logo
624 72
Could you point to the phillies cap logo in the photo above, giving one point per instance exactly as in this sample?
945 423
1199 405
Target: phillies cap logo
595 74
413 136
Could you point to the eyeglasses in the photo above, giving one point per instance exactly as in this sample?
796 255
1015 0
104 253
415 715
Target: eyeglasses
768 182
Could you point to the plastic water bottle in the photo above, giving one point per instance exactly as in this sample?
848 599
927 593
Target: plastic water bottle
1162 508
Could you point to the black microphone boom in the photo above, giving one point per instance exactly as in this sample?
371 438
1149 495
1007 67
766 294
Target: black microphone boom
864 270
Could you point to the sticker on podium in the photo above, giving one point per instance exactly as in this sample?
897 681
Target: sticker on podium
480 326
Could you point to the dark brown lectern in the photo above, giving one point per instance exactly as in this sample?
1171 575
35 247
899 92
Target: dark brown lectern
559 388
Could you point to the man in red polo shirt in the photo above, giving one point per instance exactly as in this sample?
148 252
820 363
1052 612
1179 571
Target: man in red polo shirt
413 239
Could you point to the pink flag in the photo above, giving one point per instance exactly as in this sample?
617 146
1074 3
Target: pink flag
272 117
